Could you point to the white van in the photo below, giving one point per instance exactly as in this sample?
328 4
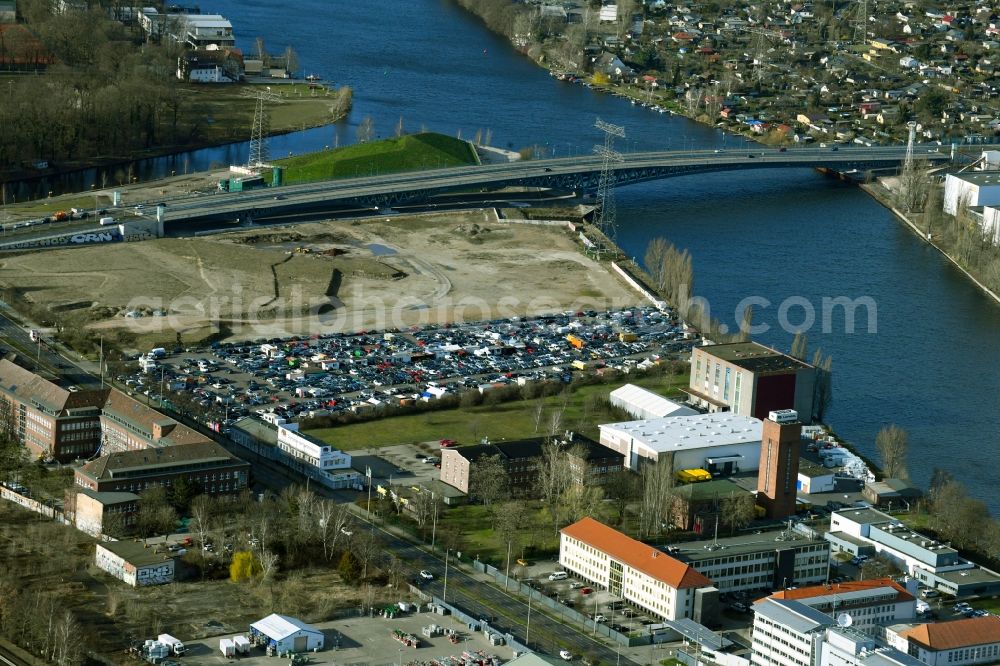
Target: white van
558 575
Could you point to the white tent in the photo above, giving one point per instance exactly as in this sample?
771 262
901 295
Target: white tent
288 634
643 404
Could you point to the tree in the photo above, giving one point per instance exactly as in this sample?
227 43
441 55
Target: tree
349 568
579 501
366 130
510 519
823 386
332 519
878 567
155 516
488 481
956 516
893 446
800 346
657 496
738 510
244 566
621 488
182 492
553 476
202 510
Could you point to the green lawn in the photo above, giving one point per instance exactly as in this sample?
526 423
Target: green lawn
511 420
410 152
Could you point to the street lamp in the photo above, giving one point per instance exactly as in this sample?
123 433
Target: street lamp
444 594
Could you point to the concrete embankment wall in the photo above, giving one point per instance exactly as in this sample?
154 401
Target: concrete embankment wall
636 284
884 200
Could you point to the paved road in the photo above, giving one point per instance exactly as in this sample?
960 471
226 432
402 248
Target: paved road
553 172
484 600
42 356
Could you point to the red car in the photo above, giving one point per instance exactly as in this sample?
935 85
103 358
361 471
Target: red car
585 590
445 443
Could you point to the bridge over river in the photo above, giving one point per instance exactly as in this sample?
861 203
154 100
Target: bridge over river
578 174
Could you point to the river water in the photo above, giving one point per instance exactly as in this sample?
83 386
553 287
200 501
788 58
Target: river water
933 363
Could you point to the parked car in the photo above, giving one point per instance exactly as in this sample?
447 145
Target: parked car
426 575
600 618
566 654
585 590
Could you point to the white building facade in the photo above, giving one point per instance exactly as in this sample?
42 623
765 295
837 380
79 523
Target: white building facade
981 188
974 640
787 633
720 442
133 564
634 571
312 451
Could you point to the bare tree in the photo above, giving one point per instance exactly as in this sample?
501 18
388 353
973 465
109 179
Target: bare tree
489 481
268 565
657 495
332 520
400 130
579 501
738 510
366 130
800 346
202 511
553 476
622 487
893 446
538 414
823 386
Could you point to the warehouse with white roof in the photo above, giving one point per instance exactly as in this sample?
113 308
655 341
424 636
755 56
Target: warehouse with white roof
644 404
722 442
286 634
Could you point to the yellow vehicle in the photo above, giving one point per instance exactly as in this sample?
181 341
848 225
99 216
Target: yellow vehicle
579 365
575 341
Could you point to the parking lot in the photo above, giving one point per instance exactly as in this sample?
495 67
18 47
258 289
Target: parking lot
367 640
339 372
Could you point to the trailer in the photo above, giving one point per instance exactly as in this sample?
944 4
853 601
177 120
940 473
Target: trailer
227 648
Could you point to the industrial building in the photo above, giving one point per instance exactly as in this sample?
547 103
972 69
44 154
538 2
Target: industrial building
721 443
695 506
872 604
750 379
286 634
971 189
639 574
934 564
758 562
211 467
51 421
641 403
790 633
134 563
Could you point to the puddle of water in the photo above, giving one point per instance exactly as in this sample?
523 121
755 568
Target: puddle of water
380 250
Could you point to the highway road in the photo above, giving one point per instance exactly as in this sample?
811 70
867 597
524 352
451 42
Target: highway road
388 189
42 356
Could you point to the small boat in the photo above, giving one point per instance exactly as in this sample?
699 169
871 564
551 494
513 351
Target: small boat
312 77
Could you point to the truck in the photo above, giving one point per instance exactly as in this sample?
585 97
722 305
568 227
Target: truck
158 352
107 221
176 646
575 341
35 335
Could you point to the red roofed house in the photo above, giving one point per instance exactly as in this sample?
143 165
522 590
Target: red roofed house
958 643
872 604
640 574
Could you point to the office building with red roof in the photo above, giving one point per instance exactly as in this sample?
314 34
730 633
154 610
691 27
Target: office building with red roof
637 573
975 640
872 604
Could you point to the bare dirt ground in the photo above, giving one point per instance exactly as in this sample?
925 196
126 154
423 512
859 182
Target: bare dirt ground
307 279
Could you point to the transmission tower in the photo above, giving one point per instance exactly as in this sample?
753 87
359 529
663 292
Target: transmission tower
861 23
261 125
908 165
605 218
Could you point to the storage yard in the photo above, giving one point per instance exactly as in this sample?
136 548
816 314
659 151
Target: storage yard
378 640
319 277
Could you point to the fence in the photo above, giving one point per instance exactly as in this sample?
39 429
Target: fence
31 504
560 610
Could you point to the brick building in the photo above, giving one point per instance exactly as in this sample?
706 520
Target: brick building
128 425
750 379
778 472
99 513
51 421
589 463
211 467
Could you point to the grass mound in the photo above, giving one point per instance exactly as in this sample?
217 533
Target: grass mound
407 153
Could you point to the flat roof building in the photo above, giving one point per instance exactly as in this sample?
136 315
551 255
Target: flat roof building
750 379
98 513
211 467
872 604
135 564
637 573
767 561
971 190
787 633
721 443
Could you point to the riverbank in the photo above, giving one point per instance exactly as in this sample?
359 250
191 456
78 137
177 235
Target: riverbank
884 196
227 113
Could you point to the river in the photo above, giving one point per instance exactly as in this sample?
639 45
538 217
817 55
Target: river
933 364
